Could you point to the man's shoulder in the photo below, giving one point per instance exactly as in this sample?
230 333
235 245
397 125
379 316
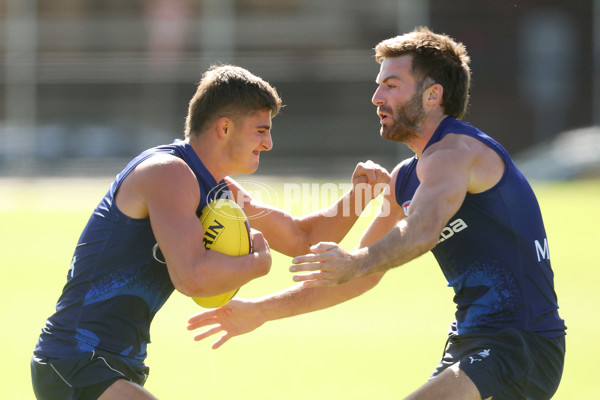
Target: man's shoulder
162 169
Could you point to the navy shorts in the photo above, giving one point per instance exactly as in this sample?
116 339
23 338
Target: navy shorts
84 377
510 364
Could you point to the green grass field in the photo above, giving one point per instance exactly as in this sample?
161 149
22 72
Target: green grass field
379 346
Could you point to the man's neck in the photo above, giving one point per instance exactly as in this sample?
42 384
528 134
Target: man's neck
209 153
430 125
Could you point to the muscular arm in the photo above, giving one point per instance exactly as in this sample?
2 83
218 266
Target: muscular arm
302 299
444 179
294 235
164 189
448 170
243 316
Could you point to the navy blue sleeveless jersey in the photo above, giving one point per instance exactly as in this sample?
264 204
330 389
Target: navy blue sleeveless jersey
115 286
494 250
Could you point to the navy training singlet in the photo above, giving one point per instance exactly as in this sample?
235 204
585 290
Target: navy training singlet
114 285
494 250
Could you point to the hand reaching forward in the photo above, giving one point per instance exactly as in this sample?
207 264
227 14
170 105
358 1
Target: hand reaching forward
237 317
329 265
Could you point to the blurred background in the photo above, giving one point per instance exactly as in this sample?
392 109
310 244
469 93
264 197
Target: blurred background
85 85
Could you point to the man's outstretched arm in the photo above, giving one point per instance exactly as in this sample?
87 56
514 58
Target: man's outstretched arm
242 316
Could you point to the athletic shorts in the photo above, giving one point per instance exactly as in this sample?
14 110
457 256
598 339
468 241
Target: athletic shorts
510 364
84 377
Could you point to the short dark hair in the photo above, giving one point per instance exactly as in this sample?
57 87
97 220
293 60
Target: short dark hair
228 90
438 57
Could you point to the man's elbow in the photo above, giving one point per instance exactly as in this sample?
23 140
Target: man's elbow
194 288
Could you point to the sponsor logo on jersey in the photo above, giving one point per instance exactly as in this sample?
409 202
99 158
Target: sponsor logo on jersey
405 206
453 227
542 250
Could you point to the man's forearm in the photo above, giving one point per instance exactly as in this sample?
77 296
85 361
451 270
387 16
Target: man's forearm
298 299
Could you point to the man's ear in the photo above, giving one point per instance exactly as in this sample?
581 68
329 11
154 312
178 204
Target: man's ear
433 95
224 126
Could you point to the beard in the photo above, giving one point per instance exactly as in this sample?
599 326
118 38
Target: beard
407 119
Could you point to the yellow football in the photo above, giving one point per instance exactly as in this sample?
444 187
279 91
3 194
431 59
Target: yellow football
226 230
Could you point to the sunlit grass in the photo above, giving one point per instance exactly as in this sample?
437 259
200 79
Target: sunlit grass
379 346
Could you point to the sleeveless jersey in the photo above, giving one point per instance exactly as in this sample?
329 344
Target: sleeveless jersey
494 251
115 285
